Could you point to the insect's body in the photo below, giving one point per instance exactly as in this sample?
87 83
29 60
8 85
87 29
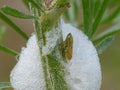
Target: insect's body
68 46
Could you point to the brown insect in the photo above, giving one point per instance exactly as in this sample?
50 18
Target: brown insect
68 46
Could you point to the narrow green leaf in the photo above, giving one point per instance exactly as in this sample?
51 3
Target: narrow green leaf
2 32
102 46
75 9
104 35
67 16
15 13
5 85
76 5
36 5
86 14
91 16
114 3
8 51
88 9
13 25
97 5
112 15
99 16
26 3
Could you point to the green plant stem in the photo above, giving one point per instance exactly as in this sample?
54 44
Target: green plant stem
13 25
52 68
52 79
8 50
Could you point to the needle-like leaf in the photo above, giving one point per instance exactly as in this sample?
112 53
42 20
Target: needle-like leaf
2 32
112 15
5 85
8 50
97 4
34 4
26 3
99 16
104 35
102 46
13 25
15 13
88 16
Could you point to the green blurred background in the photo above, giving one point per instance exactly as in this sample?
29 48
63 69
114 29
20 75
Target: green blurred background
110 59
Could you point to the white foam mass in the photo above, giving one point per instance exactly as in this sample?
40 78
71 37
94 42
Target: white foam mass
28 72
82 71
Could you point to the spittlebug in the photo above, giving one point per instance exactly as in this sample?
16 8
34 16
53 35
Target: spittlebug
68 46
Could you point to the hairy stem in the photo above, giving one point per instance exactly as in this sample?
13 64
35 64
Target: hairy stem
47 30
